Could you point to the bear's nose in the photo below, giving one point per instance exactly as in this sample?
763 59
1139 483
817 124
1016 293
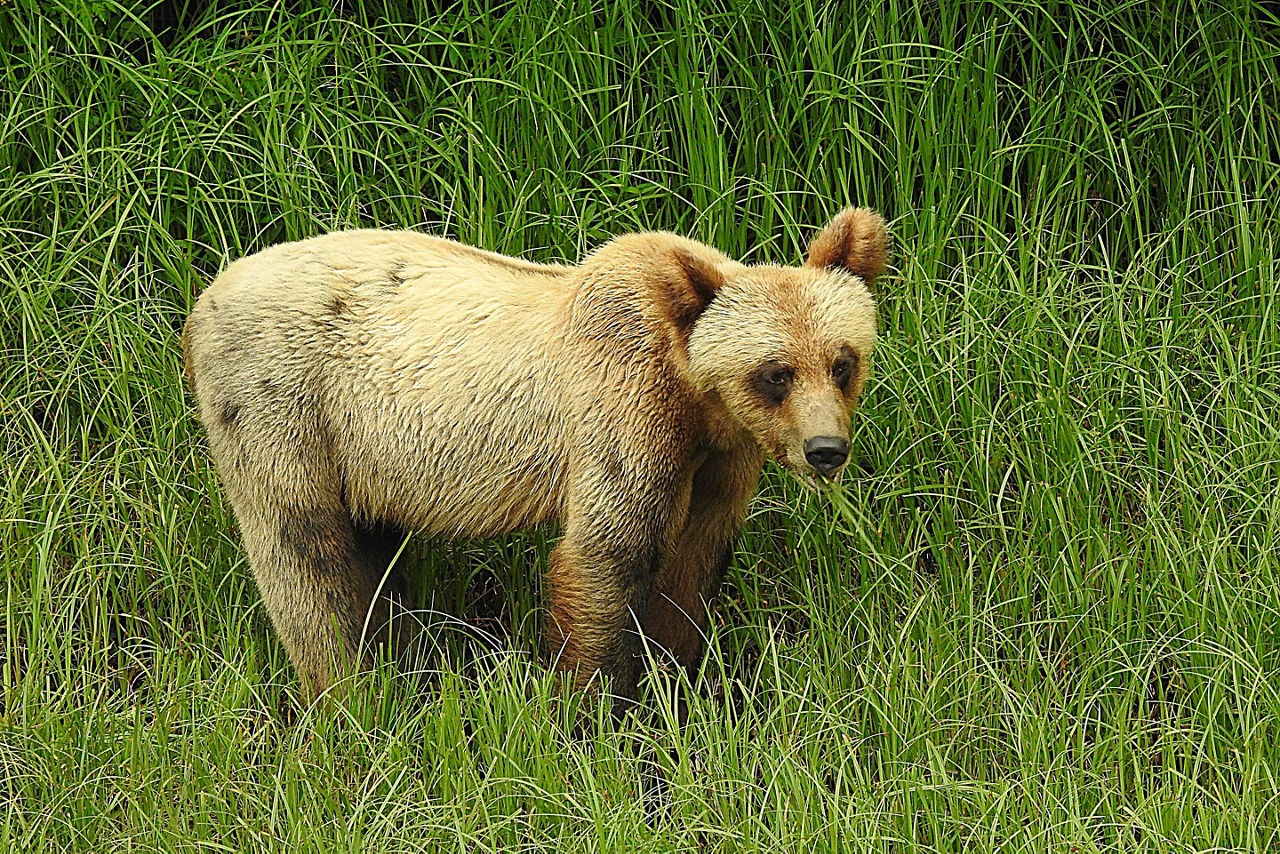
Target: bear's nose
826 453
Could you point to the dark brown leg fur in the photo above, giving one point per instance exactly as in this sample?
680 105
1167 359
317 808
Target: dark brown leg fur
602 572
694 565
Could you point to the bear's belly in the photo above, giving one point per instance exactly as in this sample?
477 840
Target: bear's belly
455 471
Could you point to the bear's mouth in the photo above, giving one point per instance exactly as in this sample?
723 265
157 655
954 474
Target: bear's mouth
818 482
815 480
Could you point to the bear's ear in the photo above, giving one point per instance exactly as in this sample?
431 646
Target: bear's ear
693 285
856 240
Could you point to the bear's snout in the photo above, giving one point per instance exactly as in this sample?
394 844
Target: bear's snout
826 453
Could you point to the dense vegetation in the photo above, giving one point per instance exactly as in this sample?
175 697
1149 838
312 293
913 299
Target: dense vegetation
1041 616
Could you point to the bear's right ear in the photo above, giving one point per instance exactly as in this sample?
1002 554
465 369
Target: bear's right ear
856 241
693 285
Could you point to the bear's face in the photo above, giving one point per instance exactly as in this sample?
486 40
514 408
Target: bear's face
786 350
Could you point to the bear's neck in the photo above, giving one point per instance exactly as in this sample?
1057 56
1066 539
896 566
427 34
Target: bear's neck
721 432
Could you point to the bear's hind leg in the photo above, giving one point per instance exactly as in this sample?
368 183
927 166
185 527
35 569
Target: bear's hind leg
326 584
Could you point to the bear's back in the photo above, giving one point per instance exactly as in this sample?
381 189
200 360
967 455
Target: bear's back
421 368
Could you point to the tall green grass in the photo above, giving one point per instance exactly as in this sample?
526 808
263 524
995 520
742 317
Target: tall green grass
1043 613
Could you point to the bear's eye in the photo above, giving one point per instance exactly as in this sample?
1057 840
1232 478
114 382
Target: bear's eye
782 376
844 366
772 382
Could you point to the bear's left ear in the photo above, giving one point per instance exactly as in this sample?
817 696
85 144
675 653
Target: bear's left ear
856 241
692 286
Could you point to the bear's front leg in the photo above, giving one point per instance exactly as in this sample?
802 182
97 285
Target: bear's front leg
618 523
698 555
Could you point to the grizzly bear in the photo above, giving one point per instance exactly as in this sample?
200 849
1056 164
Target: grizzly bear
362 384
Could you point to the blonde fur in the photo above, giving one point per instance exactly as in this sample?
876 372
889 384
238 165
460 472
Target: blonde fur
366 382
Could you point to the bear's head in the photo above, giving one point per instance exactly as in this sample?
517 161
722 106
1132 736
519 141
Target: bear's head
785 350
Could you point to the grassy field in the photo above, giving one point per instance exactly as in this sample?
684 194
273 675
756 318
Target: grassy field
1043 615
